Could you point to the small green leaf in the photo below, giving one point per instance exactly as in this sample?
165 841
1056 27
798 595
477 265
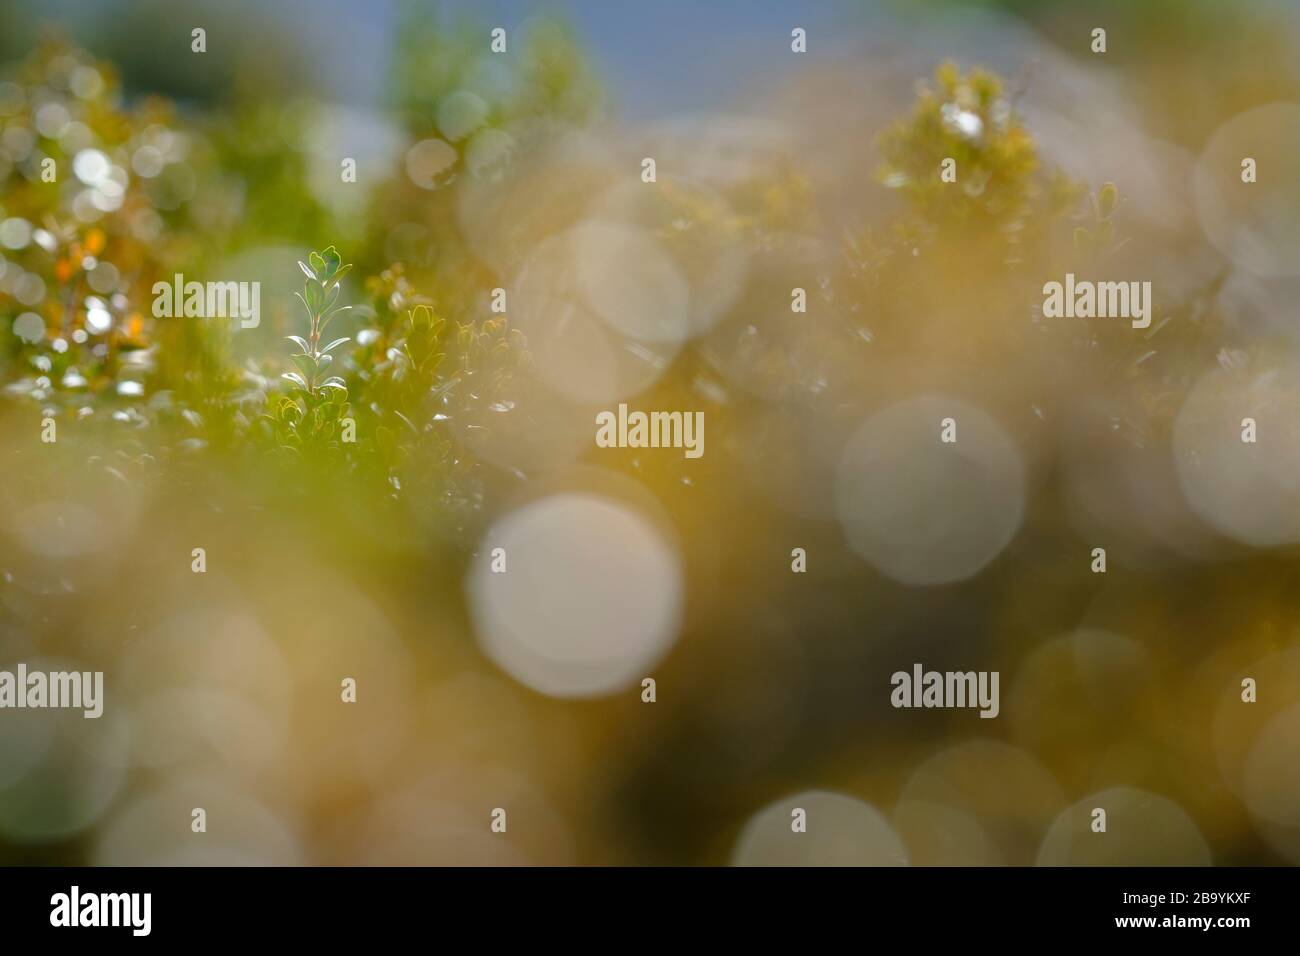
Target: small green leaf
318 266
296 379
300 342
332 261
337 277
306 365
335 343
288 412
315 298
306 270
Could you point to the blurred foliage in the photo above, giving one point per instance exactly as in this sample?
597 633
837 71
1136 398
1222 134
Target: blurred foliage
1163 46
550 78
249 58
969 118
995 233
123 211
428 380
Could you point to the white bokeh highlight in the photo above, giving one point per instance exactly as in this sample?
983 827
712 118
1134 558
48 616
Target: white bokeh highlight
1142 829
1256 225
590 601
841 831
1247 491
922 511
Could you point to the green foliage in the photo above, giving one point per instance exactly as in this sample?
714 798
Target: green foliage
428 387
310 418
969 118
431 388
103 355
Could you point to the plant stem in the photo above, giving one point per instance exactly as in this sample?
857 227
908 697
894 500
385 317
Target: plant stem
315 352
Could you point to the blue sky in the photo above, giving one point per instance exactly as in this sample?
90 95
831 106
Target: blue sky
656 56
